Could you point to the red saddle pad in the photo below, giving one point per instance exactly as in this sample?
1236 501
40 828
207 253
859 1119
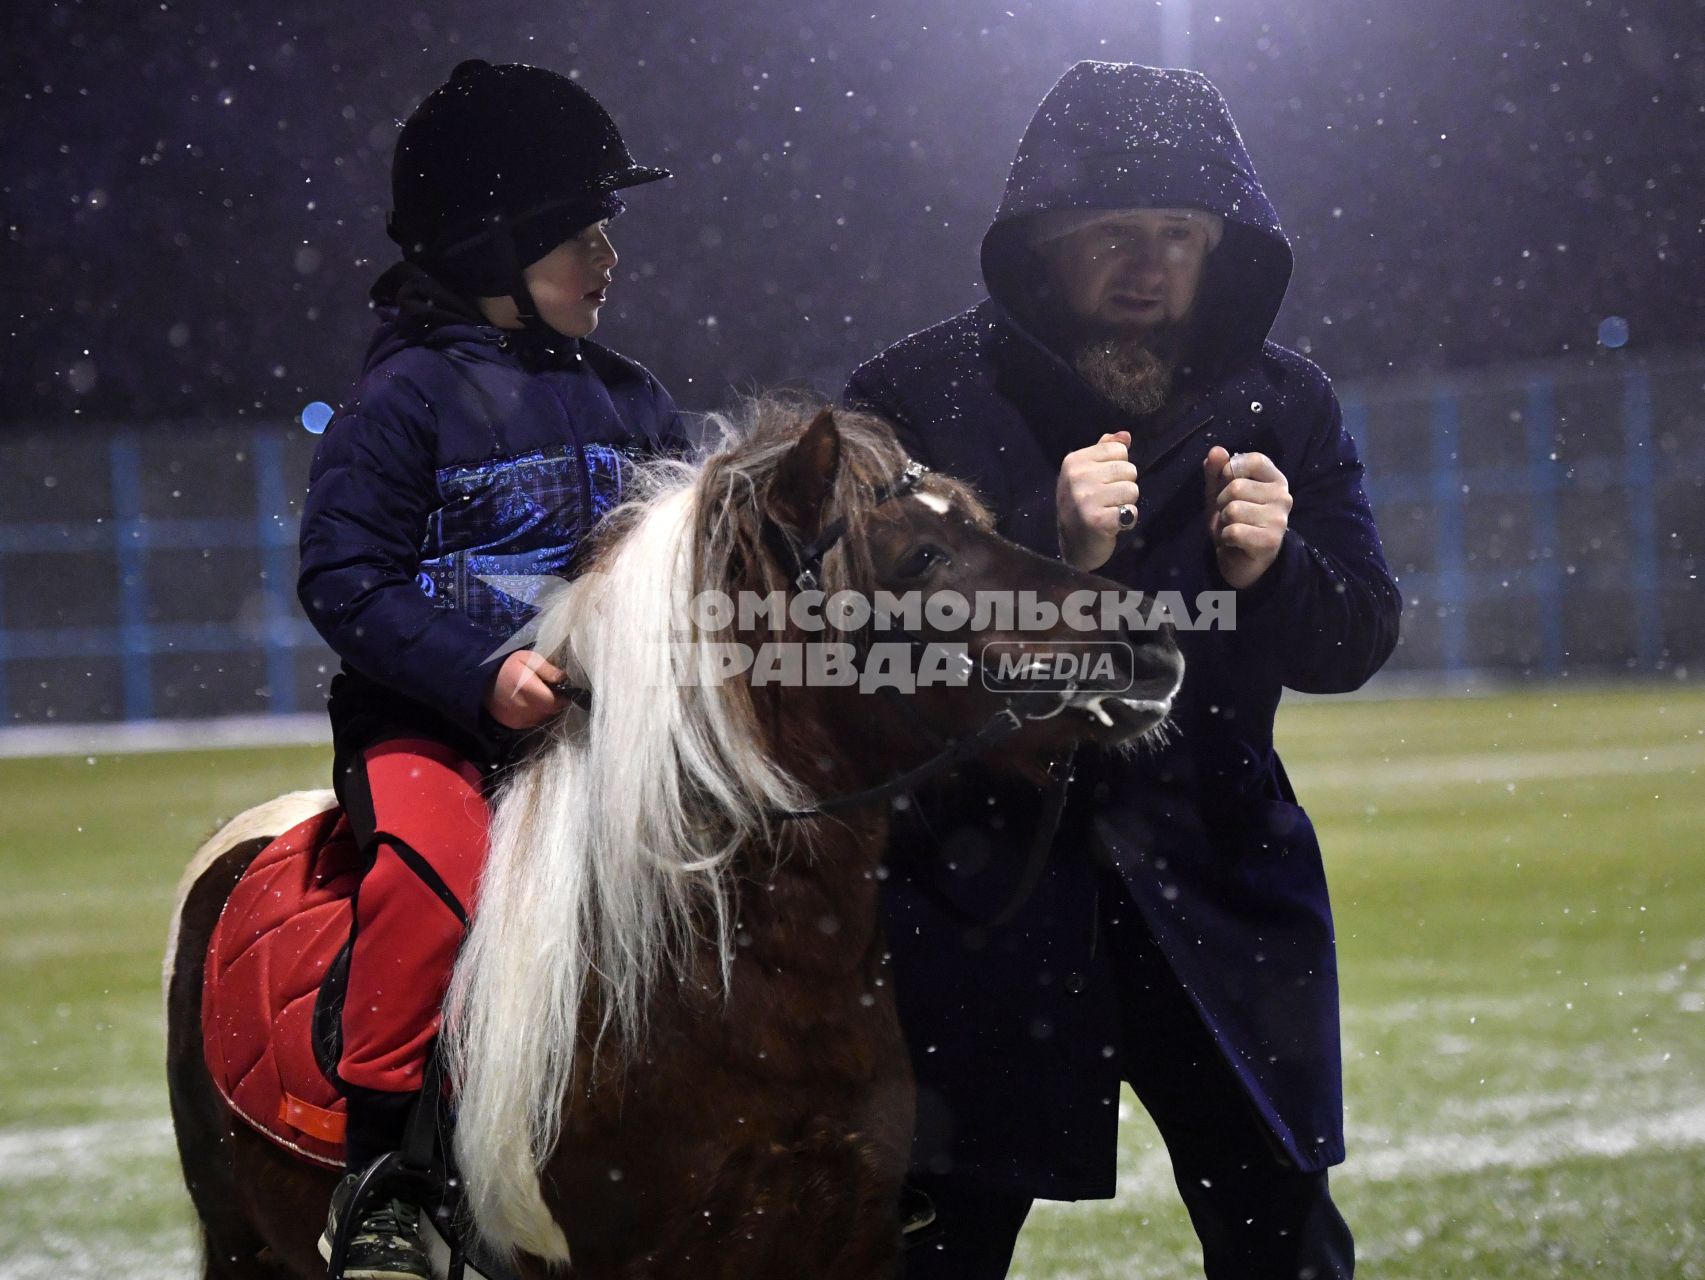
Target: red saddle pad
281 928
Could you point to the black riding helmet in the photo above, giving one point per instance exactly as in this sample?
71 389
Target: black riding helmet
497 167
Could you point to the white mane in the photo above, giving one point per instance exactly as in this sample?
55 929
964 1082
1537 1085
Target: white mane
610 852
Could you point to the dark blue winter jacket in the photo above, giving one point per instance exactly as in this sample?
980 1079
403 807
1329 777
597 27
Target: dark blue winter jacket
467 456
1011 1028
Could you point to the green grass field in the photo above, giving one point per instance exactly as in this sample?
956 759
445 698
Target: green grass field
1520 892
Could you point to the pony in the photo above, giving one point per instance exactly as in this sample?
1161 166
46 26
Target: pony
670 1039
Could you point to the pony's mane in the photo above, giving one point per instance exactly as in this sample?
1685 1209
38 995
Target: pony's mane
613 845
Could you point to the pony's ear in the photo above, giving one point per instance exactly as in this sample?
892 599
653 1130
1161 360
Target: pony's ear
807 475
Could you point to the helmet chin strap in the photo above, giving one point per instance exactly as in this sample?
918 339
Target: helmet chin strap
509 263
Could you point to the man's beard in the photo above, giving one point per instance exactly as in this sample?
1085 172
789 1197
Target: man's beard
1134 373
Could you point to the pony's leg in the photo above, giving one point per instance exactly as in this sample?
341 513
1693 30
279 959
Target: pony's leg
235 1260
286 1201
260 1209
201 1121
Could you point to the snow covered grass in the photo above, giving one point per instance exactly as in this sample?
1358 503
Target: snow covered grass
1521 917
1521 914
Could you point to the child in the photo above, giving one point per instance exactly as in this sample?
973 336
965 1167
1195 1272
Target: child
484 439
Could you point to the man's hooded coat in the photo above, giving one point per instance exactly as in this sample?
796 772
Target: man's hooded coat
1013 1026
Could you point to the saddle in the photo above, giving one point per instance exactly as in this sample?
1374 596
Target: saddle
272 995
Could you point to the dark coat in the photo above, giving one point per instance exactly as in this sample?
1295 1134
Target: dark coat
466 452
1012 1028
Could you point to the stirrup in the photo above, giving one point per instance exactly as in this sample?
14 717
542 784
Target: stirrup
387 1178
919 1224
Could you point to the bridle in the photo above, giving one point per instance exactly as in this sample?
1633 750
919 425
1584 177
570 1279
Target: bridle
804 564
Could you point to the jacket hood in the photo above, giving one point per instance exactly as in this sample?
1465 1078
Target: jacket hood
417 309
1117 135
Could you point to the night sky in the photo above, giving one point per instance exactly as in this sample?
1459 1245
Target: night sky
194 192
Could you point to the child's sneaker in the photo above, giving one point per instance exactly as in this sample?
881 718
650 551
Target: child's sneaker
386 1244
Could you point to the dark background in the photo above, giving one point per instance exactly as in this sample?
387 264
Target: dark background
194 191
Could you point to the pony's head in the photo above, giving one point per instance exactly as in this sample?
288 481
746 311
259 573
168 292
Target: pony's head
877 614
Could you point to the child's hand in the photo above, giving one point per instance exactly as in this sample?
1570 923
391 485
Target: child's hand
520 698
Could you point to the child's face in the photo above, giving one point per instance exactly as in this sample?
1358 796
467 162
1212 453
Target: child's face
567 285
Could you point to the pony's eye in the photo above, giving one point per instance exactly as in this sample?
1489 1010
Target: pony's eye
920 560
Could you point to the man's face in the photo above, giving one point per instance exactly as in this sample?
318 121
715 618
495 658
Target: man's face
1130 274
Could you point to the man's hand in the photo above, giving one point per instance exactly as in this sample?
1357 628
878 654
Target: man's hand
520 697
1249 509
1094 483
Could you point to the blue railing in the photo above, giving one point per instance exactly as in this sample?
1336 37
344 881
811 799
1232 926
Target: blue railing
1441 569
1453 587
128 535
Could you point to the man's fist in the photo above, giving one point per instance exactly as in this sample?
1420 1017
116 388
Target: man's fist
1249 509
520 696
1094 483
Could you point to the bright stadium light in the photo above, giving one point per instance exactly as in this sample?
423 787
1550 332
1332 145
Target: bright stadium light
316 415
1175 32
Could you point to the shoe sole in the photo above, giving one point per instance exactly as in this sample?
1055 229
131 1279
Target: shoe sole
369 1273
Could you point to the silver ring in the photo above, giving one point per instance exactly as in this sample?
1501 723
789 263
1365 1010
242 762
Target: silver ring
1127 516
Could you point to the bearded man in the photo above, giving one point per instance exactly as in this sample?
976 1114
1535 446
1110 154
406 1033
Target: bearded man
1117 402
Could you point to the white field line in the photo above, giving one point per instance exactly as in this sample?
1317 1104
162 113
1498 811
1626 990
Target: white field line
19 952
76 1154
166 1253
77 1151
1500 767
308 728
81 1150
30 903
1461 1013
1148 1179
1531 1146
